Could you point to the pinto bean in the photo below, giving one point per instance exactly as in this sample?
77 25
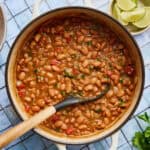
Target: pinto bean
84 50
120 93
22 76
85 63
80 119
41 103
109 93
49 75
88 87
32 83
53 92
55 68
47 67
37 37
80 38
28 99
59 123
35 108
83 126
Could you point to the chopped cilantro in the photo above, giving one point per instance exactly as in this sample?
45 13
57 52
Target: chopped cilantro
63 93
36 71
91 67
74 56
98 59
121 102
82 76
89 43
98 110
57 129
79 93
56 85
121 80
110 66
68 73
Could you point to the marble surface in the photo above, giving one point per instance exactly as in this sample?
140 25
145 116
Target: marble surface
19 13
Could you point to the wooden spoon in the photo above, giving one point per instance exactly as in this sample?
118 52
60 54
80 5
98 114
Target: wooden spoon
32 122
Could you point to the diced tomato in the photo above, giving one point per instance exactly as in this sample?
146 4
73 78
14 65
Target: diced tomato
129 70
68 40
55 118
69 130
21 93
54 62
58 49
21 86
75 71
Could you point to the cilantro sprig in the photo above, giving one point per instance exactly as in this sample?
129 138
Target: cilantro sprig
141 140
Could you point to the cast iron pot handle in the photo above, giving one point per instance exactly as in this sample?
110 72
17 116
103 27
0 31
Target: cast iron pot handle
87 3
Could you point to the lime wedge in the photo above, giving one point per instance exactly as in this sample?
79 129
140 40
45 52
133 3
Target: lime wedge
116 14
126 4
145 21
135 1
134 15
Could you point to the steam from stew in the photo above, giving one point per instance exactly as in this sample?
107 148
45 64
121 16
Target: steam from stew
75 56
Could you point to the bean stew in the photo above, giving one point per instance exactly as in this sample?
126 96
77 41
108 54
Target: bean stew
78 56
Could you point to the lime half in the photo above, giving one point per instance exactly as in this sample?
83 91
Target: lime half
133 16
116 14
145 21
126 4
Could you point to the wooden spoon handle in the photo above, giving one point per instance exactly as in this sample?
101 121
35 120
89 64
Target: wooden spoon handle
25 126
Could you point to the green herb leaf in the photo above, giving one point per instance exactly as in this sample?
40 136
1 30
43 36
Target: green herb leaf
56 85
82 76
79 93
36 71
91 67
98 59
110 66
121 80
68 73
89 43
98 110
147 133
137 140
74 56
121 102
145 117
57 129
141 140
63 93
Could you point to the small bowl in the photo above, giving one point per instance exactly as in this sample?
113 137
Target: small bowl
2 26
132 29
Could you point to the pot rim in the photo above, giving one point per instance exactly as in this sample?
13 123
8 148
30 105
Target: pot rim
112 19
